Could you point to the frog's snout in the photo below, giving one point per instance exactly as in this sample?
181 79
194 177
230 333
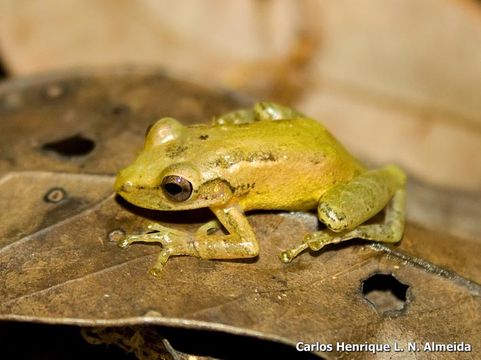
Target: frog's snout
122 185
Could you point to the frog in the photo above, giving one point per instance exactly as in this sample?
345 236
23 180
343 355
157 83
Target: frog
266 157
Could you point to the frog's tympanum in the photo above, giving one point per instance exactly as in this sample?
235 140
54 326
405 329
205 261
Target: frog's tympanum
268 157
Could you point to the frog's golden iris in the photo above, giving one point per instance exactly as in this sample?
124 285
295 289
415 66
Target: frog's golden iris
176 188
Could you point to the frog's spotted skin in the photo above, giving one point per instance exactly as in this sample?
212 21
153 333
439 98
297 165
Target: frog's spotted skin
267 157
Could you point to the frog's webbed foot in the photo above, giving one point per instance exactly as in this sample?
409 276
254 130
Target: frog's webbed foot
288 255
314 241
173 241
160 234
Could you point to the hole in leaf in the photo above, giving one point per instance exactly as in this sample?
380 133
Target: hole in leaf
76 145
55 195
385 292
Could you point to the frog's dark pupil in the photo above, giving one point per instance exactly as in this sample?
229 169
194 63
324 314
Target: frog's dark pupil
173 189
176 188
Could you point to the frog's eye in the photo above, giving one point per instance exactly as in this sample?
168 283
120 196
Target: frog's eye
176 188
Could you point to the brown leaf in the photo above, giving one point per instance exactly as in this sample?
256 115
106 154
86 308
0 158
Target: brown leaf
58 263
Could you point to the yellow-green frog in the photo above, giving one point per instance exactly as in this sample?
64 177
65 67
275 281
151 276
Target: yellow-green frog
267 157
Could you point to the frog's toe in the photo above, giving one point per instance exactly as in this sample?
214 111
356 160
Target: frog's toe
158 267
286 257
316 241
126 241
156 270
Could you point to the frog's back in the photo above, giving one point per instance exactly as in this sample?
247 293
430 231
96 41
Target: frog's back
294 133
282 164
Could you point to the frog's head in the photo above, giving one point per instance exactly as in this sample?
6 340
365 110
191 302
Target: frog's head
160 179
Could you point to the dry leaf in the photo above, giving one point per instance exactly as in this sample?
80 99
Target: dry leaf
59 263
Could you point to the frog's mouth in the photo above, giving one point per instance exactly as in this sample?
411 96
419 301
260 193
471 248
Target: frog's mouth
140 195
146 199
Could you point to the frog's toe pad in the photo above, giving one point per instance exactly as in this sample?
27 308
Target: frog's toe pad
156 271
285 256
124 243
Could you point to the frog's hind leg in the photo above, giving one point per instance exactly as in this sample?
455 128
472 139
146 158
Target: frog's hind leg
260 112
242 116
345 207
272 111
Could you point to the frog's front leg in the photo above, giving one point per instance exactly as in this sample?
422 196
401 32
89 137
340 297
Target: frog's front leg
260 112
239 243
345 207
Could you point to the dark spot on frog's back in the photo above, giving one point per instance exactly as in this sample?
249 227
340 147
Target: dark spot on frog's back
174 151
203 137
235 157
261 156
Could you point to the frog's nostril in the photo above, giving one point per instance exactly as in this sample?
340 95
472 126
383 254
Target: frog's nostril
126 186
123 186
